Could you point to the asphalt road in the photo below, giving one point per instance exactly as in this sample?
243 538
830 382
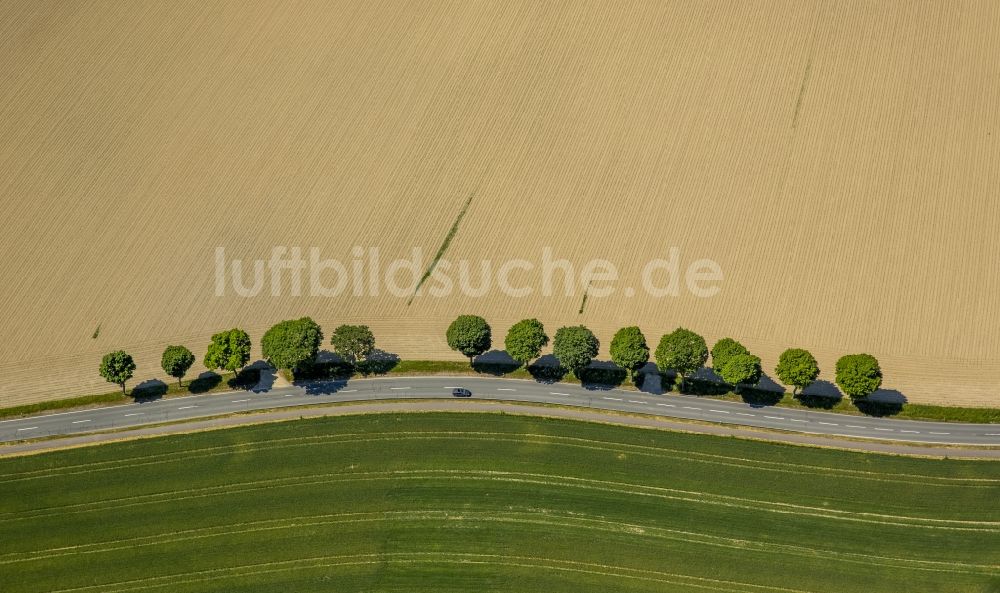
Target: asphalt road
360 390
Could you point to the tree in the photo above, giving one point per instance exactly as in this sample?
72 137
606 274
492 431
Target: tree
798 368
353 342
682 351
228 351
741 369
725 349
525 340
629 349
858 375
176 361
292 343
117 367
575 346
470 335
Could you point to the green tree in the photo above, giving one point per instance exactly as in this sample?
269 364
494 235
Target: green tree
470 335
525 340
353 342
292 343
629 350
575 346
725 349
798 368
228 351
858 375
176 361
682 351
740 370
117 367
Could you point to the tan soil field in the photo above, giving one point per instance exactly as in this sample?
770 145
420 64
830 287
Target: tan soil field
839 160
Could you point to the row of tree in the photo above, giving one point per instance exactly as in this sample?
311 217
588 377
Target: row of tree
290 344
681 351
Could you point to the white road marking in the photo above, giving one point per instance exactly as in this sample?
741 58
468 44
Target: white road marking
290 394
938 433
452 387
134 414
554 393
796 420
744 414
29 428
80 421
884 429
910 431
690 408
667 405
240 401
991 434
186 407
616 399
636 401
774 417
398 388
719 411
505 389
853 426
347 390
827 423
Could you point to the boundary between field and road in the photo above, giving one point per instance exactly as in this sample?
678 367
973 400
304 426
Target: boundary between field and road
433 393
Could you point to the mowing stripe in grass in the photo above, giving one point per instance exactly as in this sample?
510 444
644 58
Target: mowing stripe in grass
430 557
444 247
542 518
188 455
553 480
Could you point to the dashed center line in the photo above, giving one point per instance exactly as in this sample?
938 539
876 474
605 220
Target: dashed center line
884 429
690 408
290 394
347 390
827 423
636 401
744 414
557 393
667 405
775 417
853 426
28 428
134 414
80 421
186 407
240 401
796 420
910 431
941 433
614 399
398 388
991 434
505 389
719 411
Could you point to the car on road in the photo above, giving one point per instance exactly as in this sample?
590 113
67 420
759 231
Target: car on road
460 392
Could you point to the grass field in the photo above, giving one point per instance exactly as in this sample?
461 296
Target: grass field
839 160
472 502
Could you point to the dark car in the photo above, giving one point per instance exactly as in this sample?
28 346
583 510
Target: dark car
459 392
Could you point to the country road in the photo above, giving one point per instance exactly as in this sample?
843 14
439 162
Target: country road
818 423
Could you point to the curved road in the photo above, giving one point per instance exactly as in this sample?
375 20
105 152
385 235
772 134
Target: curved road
825 424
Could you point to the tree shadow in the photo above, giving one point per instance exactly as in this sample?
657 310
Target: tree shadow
547 370
884 402
822 395
324 387
760 398
150 390
602 376
496 363
245 380
205 382
379 362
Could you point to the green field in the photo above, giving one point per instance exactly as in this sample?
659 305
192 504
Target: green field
487 502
